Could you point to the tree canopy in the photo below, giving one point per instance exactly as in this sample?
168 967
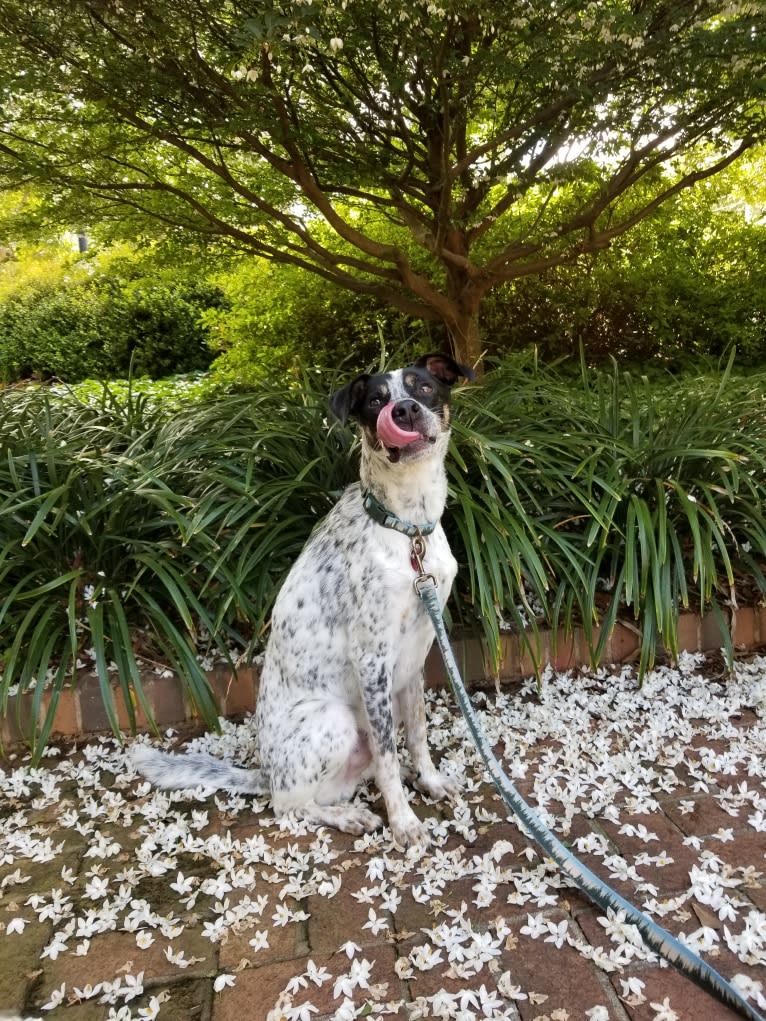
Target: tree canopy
418 151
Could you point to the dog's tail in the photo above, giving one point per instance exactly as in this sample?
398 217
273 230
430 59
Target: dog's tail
178 772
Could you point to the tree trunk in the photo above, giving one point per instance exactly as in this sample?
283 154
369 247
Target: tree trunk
465 337
464 296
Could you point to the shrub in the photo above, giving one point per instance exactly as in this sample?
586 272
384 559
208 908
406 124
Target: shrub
691 285
157 329
279 318
51 333
101 318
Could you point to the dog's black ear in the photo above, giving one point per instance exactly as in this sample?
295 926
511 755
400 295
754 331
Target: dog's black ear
347 402
445 368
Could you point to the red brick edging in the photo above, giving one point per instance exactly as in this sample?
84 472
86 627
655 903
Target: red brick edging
81 711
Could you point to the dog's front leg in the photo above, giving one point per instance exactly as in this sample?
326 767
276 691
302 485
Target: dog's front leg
426 777
376 677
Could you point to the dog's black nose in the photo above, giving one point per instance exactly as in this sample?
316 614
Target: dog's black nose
407 414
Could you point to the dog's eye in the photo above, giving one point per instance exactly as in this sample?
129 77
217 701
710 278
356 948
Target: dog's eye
375 402
426 388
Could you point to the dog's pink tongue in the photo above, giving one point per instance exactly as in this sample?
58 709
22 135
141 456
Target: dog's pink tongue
389 433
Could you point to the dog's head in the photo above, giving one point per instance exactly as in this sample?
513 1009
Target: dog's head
403 412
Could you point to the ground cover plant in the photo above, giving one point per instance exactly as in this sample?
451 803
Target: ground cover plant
134 530
127 529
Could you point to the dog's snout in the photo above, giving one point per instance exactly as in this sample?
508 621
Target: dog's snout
407 414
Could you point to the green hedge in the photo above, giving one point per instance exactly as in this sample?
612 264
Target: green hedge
94 318
126 530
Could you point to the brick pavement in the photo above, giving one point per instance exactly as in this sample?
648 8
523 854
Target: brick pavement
331 893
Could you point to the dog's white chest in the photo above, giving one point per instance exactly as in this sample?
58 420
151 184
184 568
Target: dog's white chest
394 560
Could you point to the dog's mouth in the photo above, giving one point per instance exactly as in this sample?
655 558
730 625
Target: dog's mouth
413 449
399 442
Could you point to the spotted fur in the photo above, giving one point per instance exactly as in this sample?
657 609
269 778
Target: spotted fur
349 637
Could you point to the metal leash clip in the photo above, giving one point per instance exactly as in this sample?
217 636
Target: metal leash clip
417 553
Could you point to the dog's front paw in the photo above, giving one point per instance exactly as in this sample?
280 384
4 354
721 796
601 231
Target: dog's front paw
437 786
357 820
408 830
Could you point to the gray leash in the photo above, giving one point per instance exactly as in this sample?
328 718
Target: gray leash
661 941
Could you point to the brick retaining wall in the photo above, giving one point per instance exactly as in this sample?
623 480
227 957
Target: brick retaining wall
81 710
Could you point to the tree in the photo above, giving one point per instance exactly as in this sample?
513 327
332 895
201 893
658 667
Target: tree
420 151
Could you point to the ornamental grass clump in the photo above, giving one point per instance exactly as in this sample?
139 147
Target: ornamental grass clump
131 536
136 532
612 495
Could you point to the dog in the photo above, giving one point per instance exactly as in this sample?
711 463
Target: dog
349 636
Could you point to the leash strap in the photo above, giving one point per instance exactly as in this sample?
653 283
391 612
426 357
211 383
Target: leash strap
661 941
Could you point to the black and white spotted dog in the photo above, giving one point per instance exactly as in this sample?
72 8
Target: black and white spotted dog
349 636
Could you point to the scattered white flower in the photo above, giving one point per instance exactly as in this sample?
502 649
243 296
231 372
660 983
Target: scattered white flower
58 945
56 998
751 989
183 885
403 968
350 949
507 989
302 1012
179 958
223 981
151 1012
374 923
663 1011
425 957
557 933
133 986
724 834
87 992
233 881
536 926
260 941
633 991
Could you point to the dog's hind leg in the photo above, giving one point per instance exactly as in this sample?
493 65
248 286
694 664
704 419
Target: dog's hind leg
316 770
